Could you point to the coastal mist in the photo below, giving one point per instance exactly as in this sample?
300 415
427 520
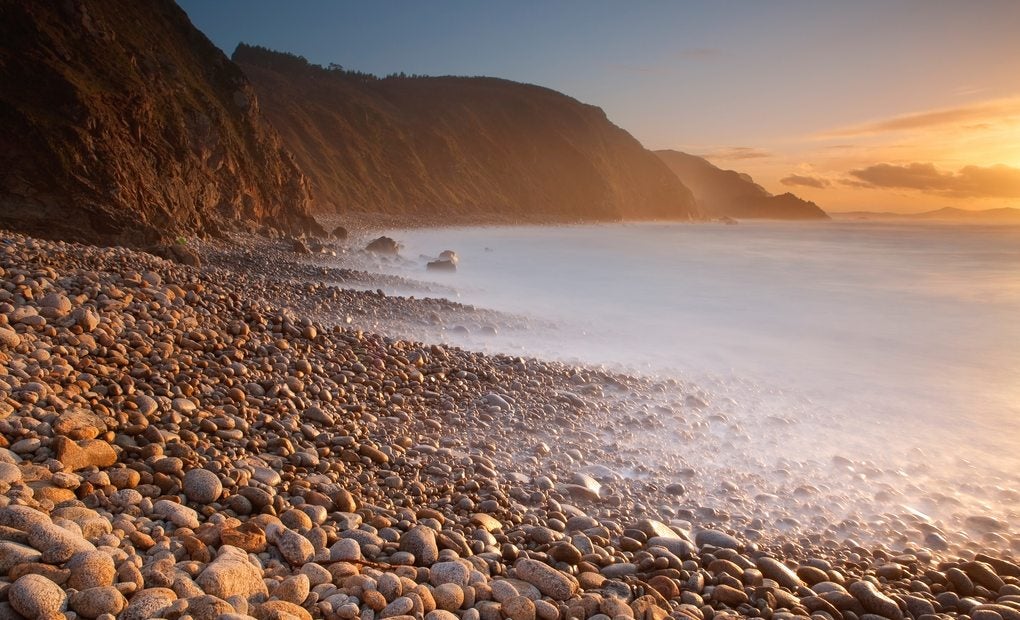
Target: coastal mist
856 378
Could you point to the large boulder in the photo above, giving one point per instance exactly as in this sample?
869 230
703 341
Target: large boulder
383 245
232 574
442 264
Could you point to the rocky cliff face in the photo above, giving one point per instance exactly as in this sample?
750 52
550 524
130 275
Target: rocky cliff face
123 123
458 150
733 194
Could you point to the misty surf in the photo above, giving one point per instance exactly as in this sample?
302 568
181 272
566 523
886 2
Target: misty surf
879 359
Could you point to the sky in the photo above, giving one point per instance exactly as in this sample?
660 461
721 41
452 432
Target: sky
863 105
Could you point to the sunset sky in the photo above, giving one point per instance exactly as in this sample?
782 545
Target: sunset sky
874 105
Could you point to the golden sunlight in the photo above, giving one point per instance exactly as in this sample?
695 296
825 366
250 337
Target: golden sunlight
541 310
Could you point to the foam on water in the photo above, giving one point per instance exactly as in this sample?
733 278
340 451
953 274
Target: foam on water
858 339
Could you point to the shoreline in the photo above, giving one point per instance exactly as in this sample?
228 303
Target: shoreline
350 463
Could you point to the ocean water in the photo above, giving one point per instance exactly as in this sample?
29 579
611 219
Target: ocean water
885 336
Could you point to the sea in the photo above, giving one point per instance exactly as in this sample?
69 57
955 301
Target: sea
896 340
916 322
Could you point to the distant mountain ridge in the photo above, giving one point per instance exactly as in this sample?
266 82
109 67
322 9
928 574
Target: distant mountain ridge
457 149
949 214
123 123
727 193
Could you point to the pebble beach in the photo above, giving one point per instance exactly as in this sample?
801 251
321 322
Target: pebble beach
256 437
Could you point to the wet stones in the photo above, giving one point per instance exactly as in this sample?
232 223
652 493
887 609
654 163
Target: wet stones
56 543
420 541
496 400
9 473
449 573
9 338
22 517
874 601
281 609
984 575
78 424
211 607
202 486
781 573
519 608
178 514
990 611
148 603
316 414
15 554
401 606
729 596
677 546
812 575
374 453
1001 566
985 523
294 589
76 456
565 552
294 547
486 521
34 596
448 596
231 574
90 569
345 550
248 537
55 305
716 538
655 529
548 580
917 606
124 478
86 319
887 571
960 581
97 601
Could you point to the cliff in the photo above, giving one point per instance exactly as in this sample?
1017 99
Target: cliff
732 194
457 150
123 123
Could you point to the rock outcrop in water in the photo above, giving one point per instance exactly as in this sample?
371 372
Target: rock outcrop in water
458 150
727 193
123 123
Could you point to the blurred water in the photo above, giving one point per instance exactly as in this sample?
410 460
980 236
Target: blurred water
904 333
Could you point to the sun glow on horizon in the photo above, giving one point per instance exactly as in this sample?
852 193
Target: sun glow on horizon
966 157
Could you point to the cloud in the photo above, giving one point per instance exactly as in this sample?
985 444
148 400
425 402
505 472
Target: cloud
737 153
966 90
976 115
969 182
803 180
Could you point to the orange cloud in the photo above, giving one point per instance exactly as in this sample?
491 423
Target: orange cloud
977 116
737 153
969 182
795 180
